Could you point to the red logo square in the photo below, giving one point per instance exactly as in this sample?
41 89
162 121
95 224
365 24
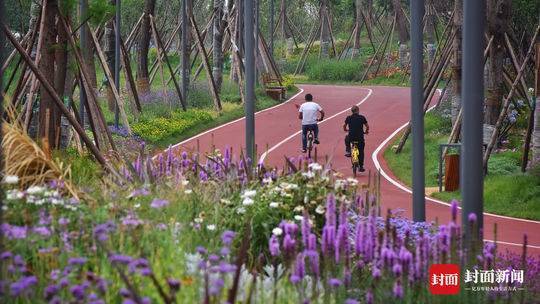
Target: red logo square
444 279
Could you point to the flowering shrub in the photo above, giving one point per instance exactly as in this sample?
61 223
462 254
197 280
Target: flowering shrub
159 128
304 235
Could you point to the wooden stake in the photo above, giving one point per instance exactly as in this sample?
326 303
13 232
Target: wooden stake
112 85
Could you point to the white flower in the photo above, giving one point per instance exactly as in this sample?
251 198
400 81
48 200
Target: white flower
188 191
531 91
35 190
315 166
4 208
298 217
211 227
137 206
320 209
247 201
185 182
10 179
225 201
308 174
14 194
340 184
267 181
274 204
241 210
277 231
298 208
352 181
198 220
249 193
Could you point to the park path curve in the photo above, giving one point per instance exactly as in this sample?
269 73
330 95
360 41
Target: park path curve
387 110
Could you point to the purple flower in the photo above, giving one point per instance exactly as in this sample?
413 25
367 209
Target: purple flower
43 231
334 282
351 301
174 284
227 237
6 255
23 285
369 297
294 279
216 286
159 203
397 269
51 291
274 246
77 261
454 209
472 218
376 273
63 221
120 259
125 293
201 250
225 267
289 244
397 290
13 232
77 291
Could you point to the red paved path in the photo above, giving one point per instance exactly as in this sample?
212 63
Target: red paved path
387 109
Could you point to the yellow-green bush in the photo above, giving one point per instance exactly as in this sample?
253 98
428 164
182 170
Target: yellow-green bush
157 129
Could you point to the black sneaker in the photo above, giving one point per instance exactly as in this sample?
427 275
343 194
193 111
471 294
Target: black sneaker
347 154
316 141
362 169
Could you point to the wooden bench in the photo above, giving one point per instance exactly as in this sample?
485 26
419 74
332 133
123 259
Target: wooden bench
273 87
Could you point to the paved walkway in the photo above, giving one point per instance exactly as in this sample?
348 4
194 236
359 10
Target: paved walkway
387 109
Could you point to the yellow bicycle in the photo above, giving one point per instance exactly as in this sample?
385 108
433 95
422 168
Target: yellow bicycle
355 157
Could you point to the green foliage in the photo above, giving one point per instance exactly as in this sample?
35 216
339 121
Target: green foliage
158 128
331 70
84 170
288 82
99 11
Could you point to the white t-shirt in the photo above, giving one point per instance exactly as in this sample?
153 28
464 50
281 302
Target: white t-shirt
309 112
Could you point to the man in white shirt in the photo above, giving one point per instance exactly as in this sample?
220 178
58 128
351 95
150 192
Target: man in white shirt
309 114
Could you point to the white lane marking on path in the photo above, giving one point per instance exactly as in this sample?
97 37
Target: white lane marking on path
263 156
229 123
375 159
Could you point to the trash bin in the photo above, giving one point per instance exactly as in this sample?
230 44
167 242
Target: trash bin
451 172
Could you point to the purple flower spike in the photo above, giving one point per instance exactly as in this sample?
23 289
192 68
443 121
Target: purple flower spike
472 218
174 284
351 301
454 209
273 245
77 261
398 290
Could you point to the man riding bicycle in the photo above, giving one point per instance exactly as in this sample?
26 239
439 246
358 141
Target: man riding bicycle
354 125
308 113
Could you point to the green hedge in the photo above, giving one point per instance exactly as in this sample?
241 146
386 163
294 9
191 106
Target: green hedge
346 70
157 129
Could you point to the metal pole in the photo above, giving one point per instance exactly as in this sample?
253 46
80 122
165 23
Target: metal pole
185 55
249 53
117 61
83 7
472 173
257 24
417 110
271 28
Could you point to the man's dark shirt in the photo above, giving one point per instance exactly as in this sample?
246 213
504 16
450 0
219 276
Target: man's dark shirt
356 124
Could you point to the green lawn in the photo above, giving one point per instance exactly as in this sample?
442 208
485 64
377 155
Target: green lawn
507 191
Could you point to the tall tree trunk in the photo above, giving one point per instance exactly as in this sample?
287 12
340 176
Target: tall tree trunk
456 60
430 31
217 42
325 29
358 23
143 83
108 49
286 30
535 160
498 12
60 74
402 31
48 111
237 30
